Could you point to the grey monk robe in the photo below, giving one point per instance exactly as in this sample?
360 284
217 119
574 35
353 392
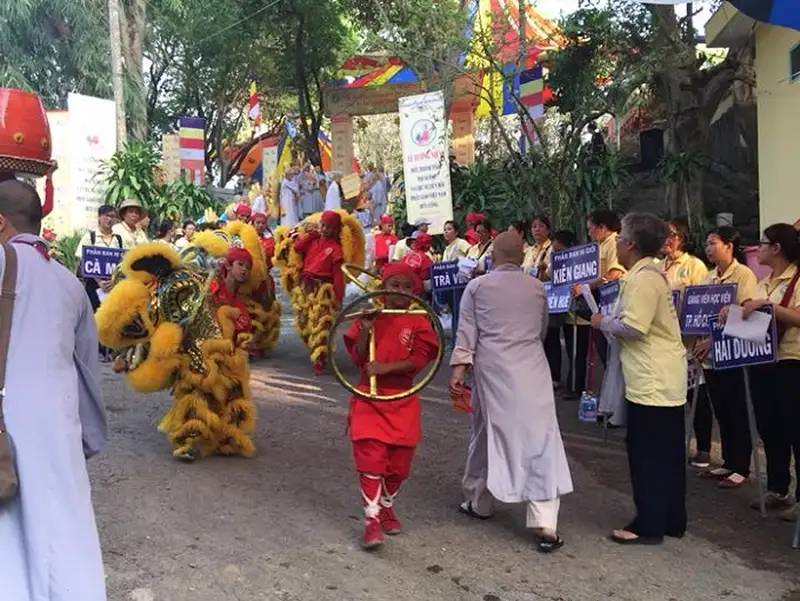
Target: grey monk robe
515 453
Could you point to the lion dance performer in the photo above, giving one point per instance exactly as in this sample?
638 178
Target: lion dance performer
206 252
384 434
259 290
310 258
168 333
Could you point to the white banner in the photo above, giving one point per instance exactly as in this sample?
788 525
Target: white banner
92 139
426 168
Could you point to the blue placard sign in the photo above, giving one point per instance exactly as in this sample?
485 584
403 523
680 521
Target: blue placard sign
701 303
728 352
576 265
609 293
676 300
99 262
558 299
445 276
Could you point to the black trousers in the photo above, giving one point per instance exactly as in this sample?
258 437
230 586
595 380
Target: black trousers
776 400
581 354
726 390
655 442
552 348
703 418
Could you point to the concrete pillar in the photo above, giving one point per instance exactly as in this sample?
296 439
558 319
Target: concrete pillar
342 142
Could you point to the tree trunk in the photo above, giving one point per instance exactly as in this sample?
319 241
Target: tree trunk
134 22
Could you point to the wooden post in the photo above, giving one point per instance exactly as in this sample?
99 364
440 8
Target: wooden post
342 142
463 137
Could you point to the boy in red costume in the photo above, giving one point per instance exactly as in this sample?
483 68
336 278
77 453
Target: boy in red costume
260 224
473 219
225 288
323 255
322 263
418 258
384 434
383 240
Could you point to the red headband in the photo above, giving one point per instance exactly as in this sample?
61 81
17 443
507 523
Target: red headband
398 269
331 219
239 254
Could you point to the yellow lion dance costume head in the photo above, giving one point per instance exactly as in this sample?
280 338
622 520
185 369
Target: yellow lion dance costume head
159 319
209 247
315 312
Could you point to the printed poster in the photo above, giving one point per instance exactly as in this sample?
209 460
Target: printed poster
92 140
426 168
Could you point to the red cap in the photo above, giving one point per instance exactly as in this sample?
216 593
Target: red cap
396 268
474 219
258 215
386 220
422 242
243 209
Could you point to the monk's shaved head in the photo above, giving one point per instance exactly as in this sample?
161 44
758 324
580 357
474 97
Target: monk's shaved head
507 248
20 204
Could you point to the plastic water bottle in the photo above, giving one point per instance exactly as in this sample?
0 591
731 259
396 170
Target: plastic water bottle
587 410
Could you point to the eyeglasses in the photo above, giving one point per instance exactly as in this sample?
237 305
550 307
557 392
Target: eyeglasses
765 243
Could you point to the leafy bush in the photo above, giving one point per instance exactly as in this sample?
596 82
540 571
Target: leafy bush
135 172
63 250
132 173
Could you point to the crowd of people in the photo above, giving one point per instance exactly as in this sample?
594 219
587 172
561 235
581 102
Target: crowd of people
506 344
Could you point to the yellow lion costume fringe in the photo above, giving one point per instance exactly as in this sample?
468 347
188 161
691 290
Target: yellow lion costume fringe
314 314
167 334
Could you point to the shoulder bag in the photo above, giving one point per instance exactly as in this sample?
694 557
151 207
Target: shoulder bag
9 484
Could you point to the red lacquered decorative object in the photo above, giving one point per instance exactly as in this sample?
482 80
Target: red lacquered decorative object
25 143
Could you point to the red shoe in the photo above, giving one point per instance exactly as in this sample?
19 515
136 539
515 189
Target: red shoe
389 522
373 534
319 368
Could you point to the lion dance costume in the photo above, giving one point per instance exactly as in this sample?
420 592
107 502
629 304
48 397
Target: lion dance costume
311 273
169 332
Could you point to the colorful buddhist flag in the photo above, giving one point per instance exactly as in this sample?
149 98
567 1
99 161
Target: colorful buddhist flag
255 107
193 148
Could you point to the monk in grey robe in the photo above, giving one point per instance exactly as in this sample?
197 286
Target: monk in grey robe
49 545
515 451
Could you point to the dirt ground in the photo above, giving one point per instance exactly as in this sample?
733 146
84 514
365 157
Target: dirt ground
285 525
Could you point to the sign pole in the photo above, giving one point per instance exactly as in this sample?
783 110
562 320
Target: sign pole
693 408
751 419
574 351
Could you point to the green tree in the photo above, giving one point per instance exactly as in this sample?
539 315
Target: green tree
54 47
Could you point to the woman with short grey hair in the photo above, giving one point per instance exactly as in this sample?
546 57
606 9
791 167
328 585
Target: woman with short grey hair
654 368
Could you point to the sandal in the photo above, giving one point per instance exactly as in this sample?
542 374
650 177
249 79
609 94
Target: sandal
545 544
466 509
732 481
621 539
719 473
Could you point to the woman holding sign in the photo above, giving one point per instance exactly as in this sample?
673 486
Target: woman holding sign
777 400
654 368
726 387
682 269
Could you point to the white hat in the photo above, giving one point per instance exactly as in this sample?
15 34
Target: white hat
422 221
